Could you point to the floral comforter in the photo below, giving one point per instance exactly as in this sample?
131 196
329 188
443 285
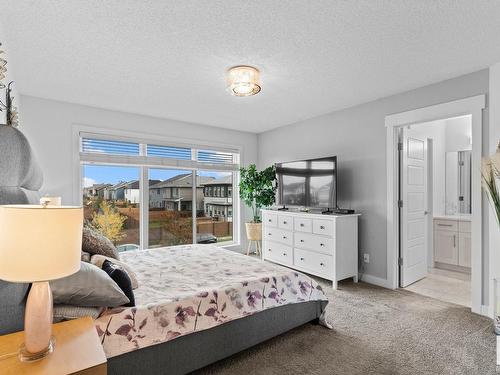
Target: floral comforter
190 288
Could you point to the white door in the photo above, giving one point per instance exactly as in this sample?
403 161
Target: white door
413 212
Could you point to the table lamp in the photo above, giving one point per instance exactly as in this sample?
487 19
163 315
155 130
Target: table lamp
38 244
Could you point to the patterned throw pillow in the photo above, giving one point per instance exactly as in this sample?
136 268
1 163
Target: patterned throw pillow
95 243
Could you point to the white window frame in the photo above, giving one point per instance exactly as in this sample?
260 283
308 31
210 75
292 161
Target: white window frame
80 131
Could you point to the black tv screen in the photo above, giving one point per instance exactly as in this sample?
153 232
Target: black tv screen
308 183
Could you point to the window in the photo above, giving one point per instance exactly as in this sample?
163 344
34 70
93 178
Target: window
188 195
216 219
111 205
170 218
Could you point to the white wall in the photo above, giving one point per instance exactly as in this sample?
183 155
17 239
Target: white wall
48 126
357 136
458 134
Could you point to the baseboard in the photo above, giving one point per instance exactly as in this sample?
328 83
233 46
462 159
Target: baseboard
487 311
384 283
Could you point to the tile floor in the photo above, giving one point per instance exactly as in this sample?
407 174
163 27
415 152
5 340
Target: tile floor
444 285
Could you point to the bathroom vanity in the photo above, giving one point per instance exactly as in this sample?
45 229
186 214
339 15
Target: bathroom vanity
452 242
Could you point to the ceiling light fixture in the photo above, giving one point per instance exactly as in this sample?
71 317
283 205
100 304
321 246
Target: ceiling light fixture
243 80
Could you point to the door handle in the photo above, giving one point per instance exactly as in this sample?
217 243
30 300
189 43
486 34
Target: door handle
454 240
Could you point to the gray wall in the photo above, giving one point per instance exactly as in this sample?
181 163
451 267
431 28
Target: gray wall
357 136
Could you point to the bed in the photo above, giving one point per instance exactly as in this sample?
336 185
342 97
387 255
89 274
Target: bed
177 287
197 304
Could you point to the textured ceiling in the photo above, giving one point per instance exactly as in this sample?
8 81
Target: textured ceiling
168 58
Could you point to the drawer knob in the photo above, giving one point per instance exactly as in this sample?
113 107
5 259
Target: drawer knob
284 222
301 240
301 224
322 264
269 234
269 250
284 254
322 244
321 227
301 258
269 220
284 237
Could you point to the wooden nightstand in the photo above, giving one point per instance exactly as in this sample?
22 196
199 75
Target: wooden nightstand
77 351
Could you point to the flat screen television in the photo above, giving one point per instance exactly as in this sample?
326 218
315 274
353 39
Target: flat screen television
308 183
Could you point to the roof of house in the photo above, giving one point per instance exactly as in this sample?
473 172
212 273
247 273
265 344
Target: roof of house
182 180
226 180
135 184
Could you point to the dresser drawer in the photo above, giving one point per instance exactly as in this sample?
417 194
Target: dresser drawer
325 227
270 220
319 264
278 235
285 222
448 225
314 242
302 224
278 252
464 226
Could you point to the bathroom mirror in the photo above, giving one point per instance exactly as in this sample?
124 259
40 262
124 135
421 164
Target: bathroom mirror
458 182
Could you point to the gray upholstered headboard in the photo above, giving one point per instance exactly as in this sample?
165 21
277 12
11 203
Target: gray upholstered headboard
20 180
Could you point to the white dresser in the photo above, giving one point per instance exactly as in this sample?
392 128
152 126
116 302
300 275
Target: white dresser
321 245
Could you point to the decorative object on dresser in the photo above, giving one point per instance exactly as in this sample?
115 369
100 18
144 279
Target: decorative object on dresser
78 352
452 242
325 246
39 243
257 189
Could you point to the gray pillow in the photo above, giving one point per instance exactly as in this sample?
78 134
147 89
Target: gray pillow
90 286
95 243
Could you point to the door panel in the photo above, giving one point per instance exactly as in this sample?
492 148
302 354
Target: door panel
413 213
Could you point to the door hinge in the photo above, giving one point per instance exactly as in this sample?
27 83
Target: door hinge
400 203
400 261
400 146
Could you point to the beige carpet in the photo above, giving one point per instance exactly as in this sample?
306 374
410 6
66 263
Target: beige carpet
376 331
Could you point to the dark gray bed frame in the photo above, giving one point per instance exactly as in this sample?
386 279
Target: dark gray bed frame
196 350
179 356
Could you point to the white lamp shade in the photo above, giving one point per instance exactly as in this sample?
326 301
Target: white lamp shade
39 243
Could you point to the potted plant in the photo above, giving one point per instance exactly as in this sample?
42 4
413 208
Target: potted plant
257 189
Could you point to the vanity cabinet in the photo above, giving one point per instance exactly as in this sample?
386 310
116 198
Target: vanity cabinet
452 243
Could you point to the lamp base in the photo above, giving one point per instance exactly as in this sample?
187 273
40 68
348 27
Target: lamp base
26 356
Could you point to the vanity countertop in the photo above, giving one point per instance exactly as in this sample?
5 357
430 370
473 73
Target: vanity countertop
453 217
